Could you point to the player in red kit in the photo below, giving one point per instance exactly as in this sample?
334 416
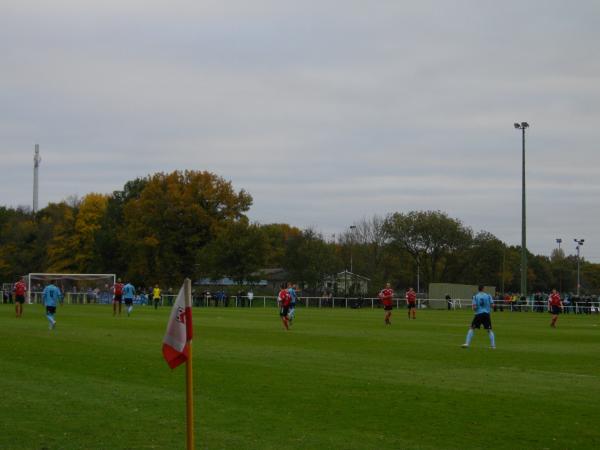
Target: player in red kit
283 301
20 288
118 296
411 302
555 306
386 296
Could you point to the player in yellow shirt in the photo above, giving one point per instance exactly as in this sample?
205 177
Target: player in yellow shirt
156 296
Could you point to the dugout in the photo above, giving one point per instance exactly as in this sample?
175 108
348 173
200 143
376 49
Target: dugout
438 291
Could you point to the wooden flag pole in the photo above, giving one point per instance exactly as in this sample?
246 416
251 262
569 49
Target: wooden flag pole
189 382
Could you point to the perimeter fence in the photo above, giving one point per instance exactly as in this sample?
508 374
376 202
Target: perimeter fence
266 301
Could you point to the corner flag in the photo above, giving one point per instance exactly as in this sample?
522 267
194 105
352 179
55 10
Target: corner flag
176 343
177 349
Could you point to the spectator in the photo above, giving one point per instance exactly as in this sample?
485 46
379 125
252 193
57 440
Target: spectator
156 296
250 296
220 297
225 299
449 302
567 304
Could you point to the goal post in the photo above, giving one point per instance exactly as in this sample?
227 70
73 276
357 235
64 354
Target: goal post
76 287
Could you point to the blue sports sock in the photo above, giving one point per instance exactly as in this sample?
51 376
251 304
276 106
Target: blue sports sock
492 338
469 336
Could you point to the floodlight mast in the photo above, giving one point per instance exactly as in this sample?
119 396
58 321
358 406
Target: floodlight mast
523 126
36 164
579 243
352 228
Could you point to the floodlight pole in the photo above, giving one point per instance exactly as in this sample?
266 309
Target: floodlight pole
523 126
579 243
352 228
36 164
503 263
418 275
559 255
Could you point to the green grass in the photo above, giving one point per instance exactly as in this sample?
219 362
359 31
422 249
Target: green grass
339 380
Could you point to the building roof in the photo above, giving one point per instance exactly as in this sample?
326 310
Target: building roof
347 273
228 282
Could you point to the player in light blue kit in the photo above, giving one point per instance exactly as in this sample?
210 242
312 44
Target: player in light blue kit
482 305
128 295
51 296
294 298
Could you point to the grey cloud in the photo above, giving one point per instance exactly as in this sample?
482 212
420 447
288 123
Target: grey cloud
326 112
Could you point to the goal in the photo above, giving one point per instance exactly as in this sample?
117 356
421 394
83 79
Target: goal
76 287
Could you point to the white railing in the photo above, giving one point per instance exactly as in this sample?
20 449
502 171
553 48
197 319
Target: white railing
265 301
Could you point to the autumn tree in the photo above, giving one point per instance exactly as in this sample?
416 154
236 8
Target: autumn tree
87 225
174 216
372 256
308 258
277 236
18 249
112 254
238 251
429 237
62 246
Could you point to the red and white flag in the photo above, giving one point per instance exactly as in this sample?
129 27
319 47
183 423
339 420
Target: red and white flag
175 347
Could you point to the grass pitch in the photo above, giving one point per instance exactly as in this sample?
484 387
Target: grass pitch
339 379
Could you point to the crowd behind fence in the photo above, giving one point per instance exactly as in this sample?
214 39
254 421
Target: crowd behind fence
269 301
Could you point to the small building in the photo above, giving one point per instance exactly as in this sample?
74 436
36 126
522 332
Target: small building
347 283
456 291
273 277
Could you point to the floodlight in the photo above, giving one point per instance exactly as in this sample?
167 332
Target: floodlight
524 125
517 126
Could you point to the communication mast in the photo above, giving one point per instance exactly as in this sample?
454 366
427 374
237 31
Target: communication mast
36 164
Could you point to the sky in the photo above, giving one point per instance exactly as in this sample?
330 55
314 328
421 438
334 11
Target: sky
327 112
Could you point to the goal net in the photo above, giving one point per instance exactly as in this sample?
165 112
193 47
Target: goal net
76 287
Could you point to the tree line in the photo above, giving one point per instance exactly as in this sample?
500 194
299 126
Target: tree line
167 226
